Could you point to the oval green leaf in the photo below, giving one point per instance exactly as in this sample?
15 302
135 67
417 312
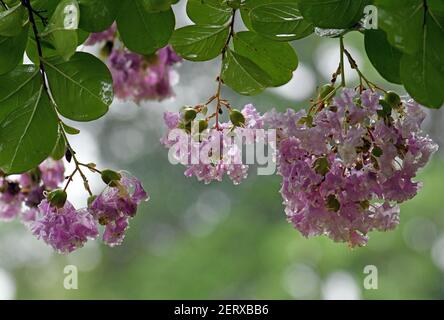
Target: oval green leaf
82 87
28 122
211 12
333 14
12 21
61 31
200 43
385 58
278 59
97 15
143 31
12 49
423 73
243 75
280 22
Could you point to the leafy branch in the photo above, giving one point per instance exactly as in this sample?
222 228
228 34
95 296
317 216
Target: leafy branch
42 71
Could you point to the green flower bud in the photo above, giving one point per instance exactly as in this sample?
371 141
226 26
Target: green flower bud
386 109
91 200
322 166
203 125
377 151
111 177
189 114
237 118
333 203
393 99
57 198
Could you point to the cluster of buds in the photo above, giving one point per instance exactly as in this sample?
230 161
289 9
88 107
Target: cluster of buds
210 152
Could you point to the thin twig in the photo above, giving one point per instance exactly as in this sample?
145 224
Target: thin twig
341 41
219 78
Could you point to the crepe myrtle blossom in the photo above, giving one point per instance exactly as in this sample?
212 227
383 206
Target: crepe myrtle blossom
52 173
346 167
137 77
210 154
66 229
34 198
10 200
117 204
25 192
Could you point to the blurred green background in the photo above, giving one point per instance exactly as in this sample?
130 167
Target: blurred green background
195 241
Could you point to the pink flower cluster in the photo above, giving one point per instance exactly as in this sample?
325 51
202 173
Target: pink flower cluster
67 229
211 154
21 196
346 168
135 76
116 205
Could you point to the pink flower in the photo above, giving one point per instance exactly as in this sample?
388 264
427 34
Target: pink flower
135 76
214 154
52 173
65 229
344 171
115 205
10 200
107 35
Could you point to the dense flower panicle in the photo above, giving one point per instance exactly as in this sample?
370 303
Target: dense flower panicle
346 168
135 76
211 155
116 205
65 229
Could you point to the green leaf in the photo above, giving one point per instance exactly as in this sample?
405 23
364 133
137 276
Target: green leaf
277 59
47 47
141 30
416 28
12 49
82 87
384 57
200 43
70 130
249 5
97 15
403 22
423 72
12 21
61 31
334 14
60 147
280 22
211 12
243 75
159 5
28 122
